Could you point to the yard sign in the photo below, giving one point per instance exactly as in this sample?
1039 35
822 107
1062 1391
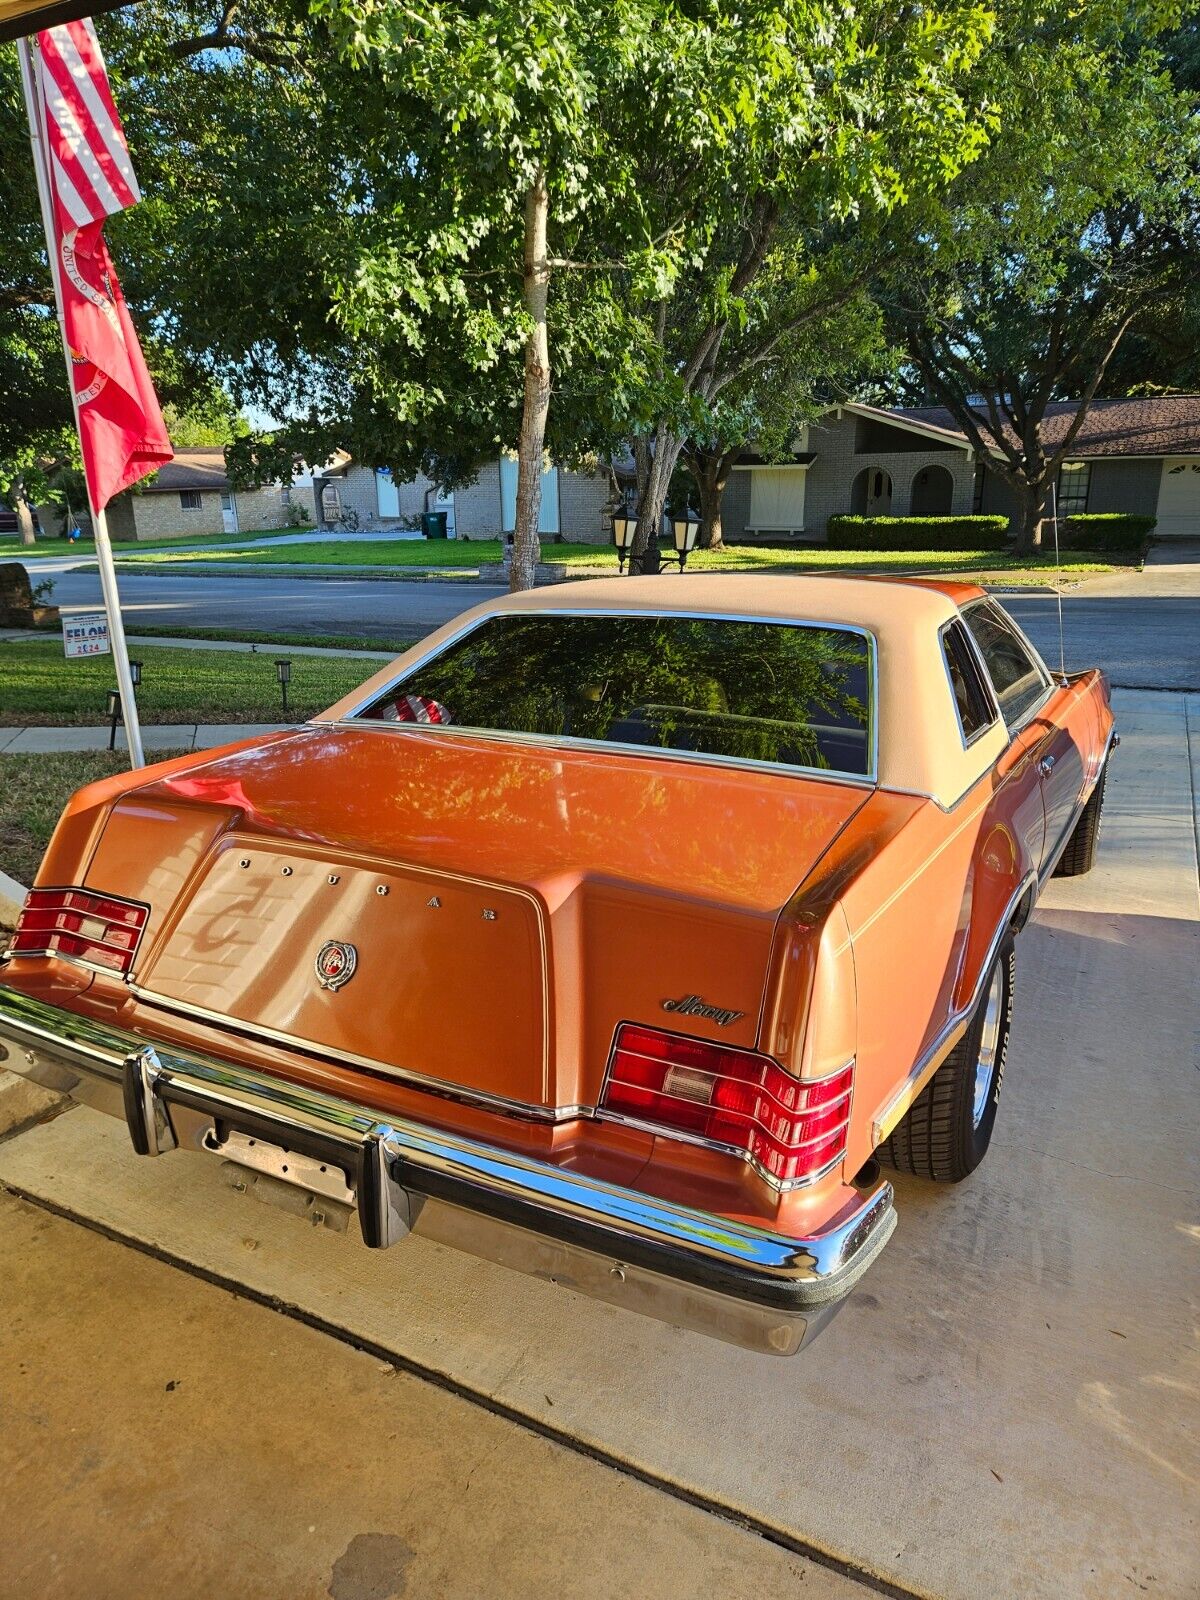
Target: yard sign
86 635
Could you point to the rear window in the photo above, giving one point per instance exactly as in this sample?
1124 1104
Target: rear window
790 694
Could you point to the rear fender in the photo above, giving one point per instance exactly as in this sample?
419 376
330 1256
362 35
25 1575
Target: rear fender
999 894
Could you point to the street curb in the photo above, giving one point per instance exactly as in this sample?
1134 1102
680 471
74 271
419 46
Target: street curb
21 1102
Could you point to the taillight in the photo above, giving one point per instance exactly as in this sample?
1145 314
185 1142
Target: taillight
734 1099
80 926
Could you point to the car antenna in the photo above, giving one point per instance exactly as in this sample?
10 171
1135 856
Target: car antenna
1062 654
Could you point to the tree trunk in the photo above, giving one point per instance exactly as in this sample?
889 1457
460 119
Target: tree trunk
531 448
24 513
1033 512
712 535
711 476
644 557
641 464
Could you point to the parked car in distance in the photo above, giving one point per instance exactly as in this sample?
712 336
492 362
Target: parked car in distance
618 938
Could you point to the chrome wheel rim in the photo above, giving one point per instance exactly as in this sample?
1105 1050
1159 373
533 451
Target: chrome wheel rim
989 1046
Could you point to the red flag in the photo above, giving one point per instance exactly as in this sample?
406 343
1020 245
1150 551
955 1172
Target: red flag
121 428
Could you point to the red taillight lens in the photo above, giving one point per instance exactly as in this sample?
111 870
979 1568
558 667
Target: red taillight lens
81 926
744 1102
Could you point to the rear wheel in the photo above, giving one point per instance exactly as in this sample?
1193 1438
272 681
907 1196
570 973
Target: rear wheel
1080 853
946 1131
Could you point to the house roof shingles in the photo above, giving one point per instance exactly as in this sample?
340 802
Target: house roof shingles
1151 425
202 467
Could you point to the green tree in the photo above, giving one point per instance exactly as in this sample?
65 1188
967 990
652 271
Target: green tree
829 119
764 410
1076 227
518 116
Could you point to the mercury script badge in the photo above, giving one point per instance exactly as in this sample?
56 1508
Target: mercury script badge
336 961
692 1006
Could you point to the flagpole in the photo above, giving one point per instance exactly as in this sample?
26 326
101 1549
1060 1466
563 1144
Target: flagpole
104 555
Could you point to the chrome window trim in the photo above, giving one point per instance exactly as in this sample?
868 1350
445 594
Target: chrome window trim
1027 716
985 683
869 779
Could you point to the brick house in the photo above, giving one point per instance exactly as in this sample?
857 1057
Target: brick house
1137 455
193 495
574 504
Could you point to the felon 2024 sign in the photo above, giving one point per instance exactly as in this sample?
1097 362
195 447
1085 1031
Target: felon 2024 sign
86 636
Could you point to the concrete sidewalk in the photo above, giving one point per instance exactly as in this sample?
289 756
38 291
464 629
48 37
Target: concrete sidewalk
155 736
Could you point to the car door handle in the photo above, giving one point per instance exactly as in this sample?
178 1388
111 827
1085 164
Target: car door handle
1046 766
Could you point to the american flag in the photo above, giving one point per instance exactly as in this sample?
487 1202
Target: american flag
91 171
121 430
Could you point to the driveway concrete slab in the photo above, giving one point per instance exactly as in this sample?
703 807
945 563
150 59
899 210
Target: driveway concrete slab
1006 1408
224 1450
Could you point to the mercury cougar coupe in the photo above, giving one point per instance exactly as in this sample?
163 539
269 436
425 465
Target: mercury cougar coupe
617 938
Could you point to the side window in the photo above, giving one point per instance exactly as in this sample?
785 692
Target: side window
1017 677
970 696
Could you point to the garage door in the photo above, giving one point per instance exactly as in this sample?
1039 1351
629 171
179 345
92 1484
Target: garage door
1179 499
777 499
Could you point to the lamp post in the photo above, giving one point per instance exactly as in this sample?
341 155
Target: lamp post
624 528
114 703
684 530
283 671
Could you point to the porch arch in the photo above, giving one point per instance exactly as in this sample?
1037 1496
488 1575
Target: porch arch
932 492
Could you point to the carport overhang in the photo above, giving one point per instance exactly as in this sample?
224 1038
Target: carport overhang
21 17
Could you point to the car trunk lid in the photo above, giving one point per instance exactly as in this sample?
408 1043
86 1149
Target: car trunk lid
507 903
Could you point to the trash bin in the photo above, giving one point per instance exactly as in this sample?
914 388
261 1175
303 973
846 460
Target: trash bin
434 524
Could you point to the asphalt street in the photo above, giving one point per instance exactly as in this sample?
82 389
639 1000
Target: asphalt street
1150 641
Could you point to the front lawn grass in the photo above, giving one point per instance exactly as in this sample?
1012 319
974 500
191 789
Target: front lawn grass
398 554
39 686
33 791
338 553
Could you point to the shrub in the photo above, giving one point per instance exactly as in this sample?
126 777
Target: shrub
918 533
1109 530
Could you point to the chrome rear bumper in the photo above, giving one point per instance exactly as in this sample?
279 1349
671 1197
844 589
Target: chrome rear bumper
736 1282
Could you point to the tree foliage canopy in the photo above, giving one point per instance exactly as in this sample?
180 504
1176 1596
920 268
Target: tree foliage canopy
1080 222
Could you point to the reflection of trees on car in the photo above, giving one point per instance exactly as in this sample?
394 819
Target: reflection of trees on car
753 690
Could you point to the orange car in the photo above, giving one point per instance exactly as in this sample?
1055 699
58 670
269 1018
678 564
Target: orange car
615 938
